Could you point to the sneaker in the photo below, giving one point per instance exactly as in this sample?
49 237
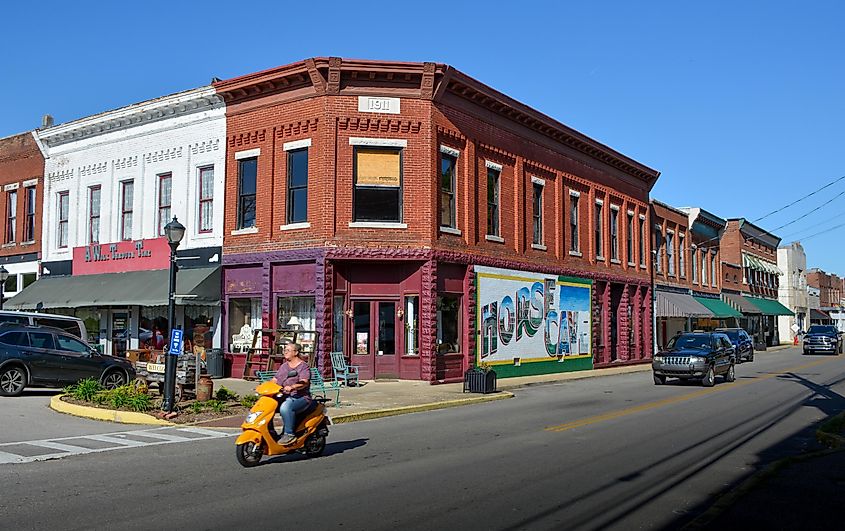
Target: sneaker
286 439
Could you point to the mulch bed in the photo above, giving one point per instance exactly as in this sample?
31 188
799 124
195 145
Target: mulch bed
184 413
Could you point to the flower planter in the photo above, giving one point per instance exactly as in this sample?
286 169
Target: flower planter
480 381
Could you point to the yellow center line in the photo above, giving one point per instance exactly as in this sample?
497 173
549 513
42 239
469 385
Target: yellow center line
676 399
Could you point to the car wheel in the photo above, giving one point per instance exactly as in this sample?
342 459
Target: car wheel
659 379
709 379
114 379
751 355
730 376
12 381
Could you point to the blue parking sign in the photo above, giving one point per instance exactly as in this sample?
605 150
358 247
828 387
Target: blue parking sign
175 342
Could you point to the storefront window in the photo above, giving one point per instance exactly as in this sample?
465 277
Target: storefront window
91 318
244 317
297 313
412 319
198 328
152 327
448 323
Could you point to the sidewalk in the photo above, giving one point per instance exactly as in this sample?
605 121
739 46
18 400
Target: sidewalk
381 398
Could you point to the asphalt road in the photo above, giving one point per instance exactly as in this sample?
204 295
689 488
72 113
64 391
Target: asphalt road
602 453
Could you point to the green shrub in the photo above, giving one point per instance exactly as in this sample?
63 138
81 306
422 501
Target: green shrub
84 390
224 395
216 405
197 406
249 400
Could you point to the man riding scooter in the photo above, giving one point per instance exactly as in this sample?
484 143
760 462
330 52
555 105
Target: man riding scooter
295 379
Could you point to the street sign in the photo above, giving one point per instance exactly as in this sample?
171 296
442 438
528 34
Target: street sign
175 342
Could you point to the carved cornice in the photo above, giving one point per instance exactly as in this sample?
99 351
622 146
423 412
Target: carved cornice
383 125
167 107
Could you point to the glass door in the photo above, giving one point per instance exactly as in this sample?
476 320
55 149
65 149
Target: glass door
386 365
374 338
362 354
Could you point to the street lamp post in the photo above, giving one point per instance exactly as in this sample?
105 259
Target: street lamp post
4 276
174 232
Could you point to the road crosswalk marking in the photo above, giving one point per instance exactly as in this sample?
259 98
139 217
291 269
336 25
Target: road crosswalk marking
15 452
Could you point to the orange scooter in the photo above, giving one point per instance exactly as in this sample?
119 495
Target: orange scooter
259 438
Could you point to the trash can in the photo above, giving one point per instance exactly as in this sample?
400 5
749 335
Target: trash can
214 362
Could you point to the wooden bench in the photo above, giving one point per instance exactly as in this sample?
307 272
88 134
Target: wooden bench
265 376
319 386
342 371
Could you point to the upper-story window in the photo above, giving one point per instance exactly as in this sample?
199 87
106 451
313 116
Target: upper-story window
713 271
448 165
127 196
164 199
11 215
670 252
537 212
206 199
614 233
94 214
64 213
493 190
703 267
247 175
297 186
629 239
643 240
378 184
658 246
694 265
574 243
599 240
682 266
29 214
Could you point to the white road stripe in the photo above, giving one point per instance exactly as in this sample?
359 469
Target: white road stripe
59 446
120 440
116 440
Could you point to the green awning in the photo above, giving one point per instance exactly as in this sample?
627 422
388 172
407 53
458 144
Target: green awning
717 307
768 306
200 286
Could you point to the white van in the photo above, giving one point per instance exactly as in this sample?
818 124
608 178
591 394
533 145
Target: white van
71 325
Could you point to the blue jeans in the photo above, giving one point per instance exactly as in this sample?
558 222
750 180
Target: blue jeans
290 407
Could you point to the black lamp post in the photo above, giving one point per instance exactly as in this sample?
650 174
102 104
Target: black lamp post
4 276
174 232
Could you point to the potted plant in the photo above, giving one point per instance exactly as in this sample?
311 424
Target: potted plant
480 379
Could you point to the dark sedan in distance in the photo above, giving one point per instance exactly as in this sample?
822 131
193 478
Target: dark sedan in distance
695 356
741 341
48 357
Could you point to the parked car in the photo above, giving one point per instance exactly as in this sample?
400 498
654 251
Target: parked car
70 324
742 342
48 357
696 356
823 338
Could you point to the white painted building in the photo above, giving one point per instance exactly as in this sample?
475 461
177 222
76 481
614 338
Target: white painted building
117 178
793 290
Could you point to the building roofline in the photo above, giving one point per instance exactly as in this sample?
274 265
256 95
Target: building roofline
322 75
668 207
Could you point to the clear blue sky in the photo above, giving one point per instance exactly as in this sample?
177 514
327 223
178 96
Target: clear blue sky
739 104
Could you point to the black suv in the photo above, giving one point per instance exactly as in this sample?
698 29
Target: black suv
823 338
741 341
696 356
48 357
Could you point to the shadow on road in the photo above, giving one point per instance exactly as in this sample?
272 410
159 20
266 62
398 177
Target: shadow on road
41 392
333 448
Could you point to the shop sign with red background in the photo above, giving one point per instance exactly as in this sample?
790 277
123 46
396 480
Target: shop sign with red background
120 257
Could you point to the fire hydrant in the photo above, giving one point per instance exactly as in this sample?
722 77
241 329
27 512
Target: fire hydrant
795 340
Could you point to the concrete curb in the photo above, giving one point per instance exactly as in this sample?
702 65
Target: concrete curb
390 412
96 413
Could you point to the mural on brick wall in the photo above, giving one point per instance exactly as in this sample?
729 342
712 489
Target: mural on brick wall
526 317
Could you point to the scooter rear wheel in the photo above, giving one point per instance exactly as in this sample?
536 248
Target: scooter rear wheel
315 446
249 454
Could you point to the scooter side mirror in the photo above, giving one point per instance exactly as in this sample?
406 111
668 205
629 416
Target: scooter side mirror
293 374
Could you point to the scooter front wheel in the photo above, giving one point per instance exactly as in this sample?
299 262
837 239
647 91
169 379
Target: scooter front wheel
249 454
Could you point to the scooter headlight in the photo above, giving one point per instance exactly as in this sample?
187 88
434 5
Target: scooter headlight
253 416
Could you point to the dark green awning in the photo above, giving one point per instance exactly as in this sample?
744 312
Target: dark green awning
769 306
199 287
717 307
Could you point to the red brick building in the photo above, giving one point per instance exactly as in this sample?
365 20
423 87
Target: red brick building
752 253
688 271
362 196
22 181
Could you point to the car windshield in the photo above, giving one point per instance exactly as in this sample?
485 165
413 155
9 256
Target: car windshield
732 334
689 341
822 329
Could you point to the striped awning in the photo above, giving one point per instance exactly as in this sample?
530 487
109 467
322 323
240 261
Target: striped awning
741 303
758 264
679 305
